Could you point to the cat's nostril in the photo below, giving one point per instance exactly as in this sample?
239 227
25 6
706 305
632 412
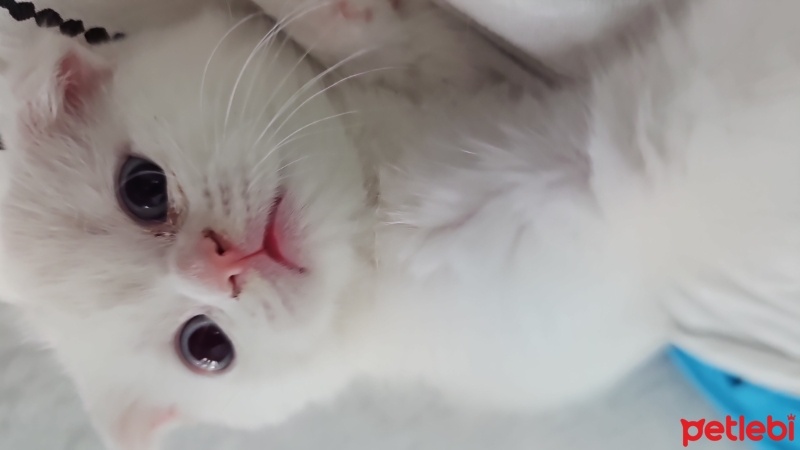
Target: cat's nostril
236 289
221 245
224 262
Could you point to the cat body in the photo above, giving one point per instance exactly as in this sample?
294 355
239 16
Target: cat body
509 248
595 225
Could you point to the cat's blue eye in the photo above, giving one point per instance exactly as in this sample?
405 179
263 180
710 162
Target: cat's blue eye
204 347
142 188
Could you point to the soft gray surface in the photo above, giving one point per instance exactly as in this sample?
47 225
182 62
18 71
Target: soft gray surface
39 411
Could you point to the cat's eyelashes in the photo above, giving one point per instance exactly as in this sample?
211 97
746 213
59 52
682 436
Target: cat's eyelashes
142 187
204 347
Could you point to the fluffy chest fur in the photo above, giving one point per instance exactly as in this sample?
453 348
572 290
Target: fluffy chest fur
657 205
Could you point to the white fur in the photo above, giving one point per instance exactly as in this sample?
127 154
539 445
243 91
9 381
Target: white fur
585 232
529 251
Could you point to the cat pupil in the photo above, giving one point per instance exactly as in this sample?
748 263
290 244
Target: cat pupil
147 190
208 344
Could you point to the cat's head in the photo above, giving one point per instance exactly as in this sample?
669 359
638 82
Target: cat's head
183 224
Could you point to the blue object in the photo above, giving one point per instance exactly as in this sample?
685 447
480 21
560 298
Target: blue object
736 397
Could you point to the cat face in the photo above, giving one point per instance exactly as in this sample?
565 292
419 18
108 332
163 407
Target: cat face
182 225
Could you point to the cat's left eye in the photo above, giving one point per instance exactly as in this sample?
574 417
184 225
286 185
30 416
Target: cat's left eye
142 188
204 347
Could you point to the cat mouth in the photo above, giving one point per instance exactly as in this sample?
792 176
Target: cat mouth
275 236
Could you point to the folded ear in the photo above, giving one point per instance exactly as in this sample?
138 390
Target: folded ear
78 77
56 79
126 424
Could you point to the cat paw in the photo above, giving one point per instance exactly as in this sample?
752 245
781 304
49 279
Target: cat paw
335 27
346 10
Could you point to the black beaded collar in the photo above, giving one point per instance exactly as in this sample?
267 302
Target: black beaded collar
48 18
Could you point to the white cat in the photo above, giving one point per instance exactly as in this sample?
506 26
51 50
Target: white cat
201 236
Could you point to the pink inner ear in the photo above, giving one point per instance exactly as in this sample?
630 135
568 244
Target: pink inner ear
78 80
164 418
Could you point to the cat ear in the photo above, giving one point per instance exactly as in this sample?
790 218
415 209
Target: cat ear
78 77
57 80
130 425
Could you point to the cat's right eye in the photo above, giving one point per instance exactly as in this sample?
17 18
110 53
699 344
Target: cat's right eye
142 188
204 347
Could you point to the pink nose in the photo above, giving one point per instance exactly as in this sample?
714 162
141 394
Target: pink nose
223 262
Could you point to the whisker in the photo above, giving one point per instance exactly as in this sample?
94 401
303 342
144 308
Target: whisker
273 36
275 29
300 60
294 161
280 26
322 91
334 116
214 51
288 138
236 84
257 178
305 87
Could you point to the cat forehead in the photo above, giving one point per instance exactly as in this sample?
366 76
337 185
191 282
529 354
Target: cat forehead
206 53
211 73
